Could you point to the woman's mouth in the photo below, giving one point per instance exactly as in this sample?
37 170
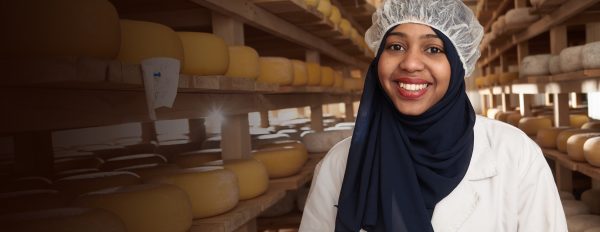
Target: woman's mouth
412 89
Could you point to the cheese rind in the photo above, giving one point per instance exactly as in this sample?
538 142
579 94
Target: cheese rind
243 62
142 40
531 125
205 54
546 137
276 70
591 151
575 145
281 161
571 59
300 73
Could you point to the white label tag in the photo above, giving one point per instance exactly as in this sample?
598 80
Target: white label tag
161 79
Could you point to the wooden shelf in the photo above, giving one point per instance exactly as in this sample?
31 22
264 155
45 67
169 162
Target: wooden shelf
585 81
500 10
565 161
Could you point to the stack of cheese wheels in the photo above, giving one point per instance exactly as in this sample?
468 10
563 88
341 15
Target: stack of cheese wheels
561 139
575 145
26 183
148 171
335 17
281 161
580 223
243 62
300 73
327 78
591 198
591 55
64 220
212 190
503 116
312 3
574 207
132 160
571 59
314 73
546 137
492 112
282 207
318 142
591 151
345 27
339 79
324 7
204 53
536 65
78 184
64 164
197 158
143 40
276 70
252 176
565 195
578 120
28 200
144 207
554 65
520 16
508 77
591 125
531 125
68 28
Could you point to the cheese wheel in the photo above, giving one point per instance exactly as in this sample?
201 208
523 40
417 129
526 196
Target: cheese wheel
507 78
243 62
197 158
520 16
561 139
144 207
265 139
276 70
345 27
591 198
143 40
148 171
132 160
281 161
327 78
591 151
252 176
546 137
338 77
591 55
318 142
591 125
580 223
26 183
574 207
335 15
65 164
480 82
578 120
312 3
571 59
212 190
60 28
531 125
63 220
324 7
554 65
205 54
314 73
575 145
503 116
300 73
282 143
282 207
514 119
28 200
537 65
352 84
78 184
498 25
492 112
565 195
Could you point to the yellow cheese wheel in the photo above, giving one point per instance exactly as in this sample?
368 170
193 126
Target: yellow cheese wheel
252 176
281 162
204 53
591 125
312 3
546 137
276 70
591 198
143 40
578 120
78 184
574 207
345 27
148 171
300 73
324 7
64 220
29 200
212 190
513 119
327 78
575 145
144 207
37 28
561 139
132 160
531 125
197 158
314 73
283 143
503 116
580 223
480 82
243 62
591 151
335 15
338 77
507 78
352 84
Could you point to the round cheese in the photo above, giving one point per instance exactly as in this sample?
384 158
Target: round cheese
591 55
276 70
132 160
197 158
28 200
574 207
60 28
591 198
205 54
480 82
345 27
536 65
503 116
212 190
338 77
318 142
78 184
148 171
580 223
521 16
324 7
282 207
65 164
561 139
546 137
314 73
144 207
565 195
300 73
64 220
591 151
591 125
513 119
143 40
243 62
578 120
281 161
571 59
575 145
554 65
312 3
531 125
498 25
327 78
335 15
252 176
507 78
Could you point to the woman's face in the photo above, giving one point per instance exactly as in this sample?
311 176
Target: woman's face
413 68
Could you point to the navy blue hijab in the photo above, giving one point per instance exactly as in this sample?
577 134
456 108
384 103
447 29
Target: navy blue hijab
399 167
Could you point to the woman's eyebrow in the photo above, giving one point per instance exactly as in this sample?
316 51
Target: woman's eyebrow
404 35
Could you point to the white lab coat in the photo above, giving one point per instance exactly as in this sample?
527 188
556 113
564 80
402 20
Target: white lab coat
508 187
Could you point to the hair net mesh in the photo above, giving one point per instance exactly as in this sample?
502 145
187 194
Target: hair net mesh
451 17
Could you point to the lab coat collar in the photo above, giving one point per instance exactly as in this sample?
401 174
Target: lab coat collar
483 161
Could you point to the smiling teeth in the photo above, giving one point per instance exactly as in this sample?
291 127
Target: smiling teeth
413 87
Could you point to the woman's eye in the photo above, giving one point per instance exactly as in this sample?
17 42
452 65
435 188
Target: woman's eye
396 47
434 50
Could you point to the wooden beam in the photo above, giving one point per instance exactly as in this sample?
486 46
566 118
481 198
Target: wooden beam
522 52
231 30
316 117
558 39
148 132
184 18
349 111
197 129
313 56
592 32
561 109
525 104
235 133
264 119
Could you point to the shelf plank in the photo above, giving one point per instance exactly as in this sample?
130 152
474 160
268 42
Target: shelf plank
562 158
589 170
584 81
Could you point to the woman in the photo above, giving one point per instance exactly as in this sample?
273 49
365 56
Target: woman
419 158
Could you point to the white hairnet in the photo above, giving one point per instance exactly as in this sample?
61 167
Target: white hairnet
451 17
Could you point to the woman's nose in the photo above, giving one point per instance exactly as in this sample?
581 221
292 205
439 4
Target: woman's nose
412 61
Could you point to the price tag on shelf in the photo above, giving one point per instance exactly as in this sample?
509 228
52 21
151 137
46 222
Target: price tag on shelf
161 79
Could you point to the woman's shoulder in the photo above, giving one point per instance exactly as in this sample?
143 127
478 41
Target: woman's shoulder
497 131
